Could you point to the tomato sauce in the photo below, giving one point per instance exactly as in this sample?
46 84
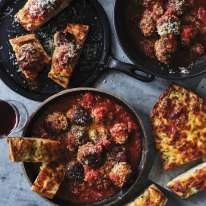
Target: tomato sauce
197 14
92 191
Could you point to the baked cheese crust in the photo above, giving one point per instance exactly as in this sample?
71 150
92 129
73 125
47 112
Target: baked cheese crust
33 150
68 48
190 182
37 12
49 179
31 56
152 196
178 122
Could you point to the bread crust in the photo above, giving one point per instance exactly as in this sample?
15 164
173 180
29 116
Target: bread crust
178 122
61 74
190 182
32 39
31 24
152 196
49 180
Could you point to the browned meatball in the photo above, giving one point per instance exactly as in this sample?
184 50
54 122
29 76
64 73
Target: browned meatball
89 154
165 48
177 7
157 11
79 116
147 24
56 122
102 115
74 171
120 174
188 35
168 24
119 133
78 135
149 47
117 154
196 51
100 135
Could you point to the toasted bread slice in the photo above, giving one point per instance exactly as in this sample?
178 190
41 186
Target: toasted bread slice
31 56
68 48
33 150
37 12
49 179
152 196
178 122
190 182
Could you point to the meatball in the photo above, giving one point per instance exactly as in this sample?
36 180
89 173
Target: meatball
89 154
79 116
188 35
120 174
196 51
56 122
165 48
119 133
147 24
74 171
168 24
78 135
102 115
177 7
157 11
117 154
101 136
148 46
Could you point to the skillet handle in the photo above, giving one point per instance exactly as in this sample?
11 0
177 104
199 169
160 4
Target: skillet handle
130 70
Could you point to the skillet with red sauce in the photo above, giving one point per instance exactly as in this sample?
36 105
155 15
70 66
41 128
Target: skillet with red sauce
103 143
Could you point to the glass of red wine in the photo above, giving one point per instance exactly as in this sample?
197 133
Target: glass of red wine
13 117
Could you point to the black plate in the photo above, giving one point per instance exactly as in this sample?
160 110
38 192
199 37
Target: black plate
95 58
129 45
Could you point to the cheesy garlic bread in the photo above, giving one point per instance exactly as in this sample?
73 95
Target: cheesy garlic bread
178 122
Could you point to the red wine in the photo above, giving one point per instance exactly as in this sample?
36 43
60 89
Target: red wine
7 118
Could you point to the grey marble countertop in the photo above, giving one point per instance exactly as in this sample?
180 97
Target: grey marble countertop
14 188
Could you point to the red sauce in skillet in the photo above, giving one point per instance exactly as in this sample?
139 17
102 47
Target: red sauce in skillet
84 191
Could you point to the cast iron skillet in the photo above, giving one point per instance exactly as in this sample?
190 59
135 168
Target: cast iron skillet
31 169
95 59
142 62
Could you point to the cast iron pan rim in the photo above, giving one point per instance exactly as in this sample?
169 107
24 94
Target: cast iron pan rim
115 14
145 149
97 71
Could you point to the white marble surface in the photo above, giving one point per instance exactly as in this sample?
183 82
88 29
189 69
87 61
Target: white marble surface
14 189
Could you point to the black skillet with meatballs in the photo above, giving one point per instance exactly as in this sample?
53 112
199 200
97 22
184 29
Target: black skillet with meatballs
101 142
170 31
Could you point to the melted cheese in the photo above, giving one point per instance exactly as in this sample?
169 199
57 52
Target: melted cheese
152 196
49 179
33 150
190 182
178 122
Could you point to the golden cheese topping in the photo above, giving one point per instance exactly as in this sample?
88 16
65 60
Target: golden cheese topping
49 179
37 12
33 150
68 48
152 196
31 56
190 182
178 123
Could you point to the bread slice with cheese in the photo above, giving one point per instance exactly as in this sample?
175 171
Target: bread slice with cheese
152 196
178 122
68 48
49 180
37 12
30 54
190 182
33 150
